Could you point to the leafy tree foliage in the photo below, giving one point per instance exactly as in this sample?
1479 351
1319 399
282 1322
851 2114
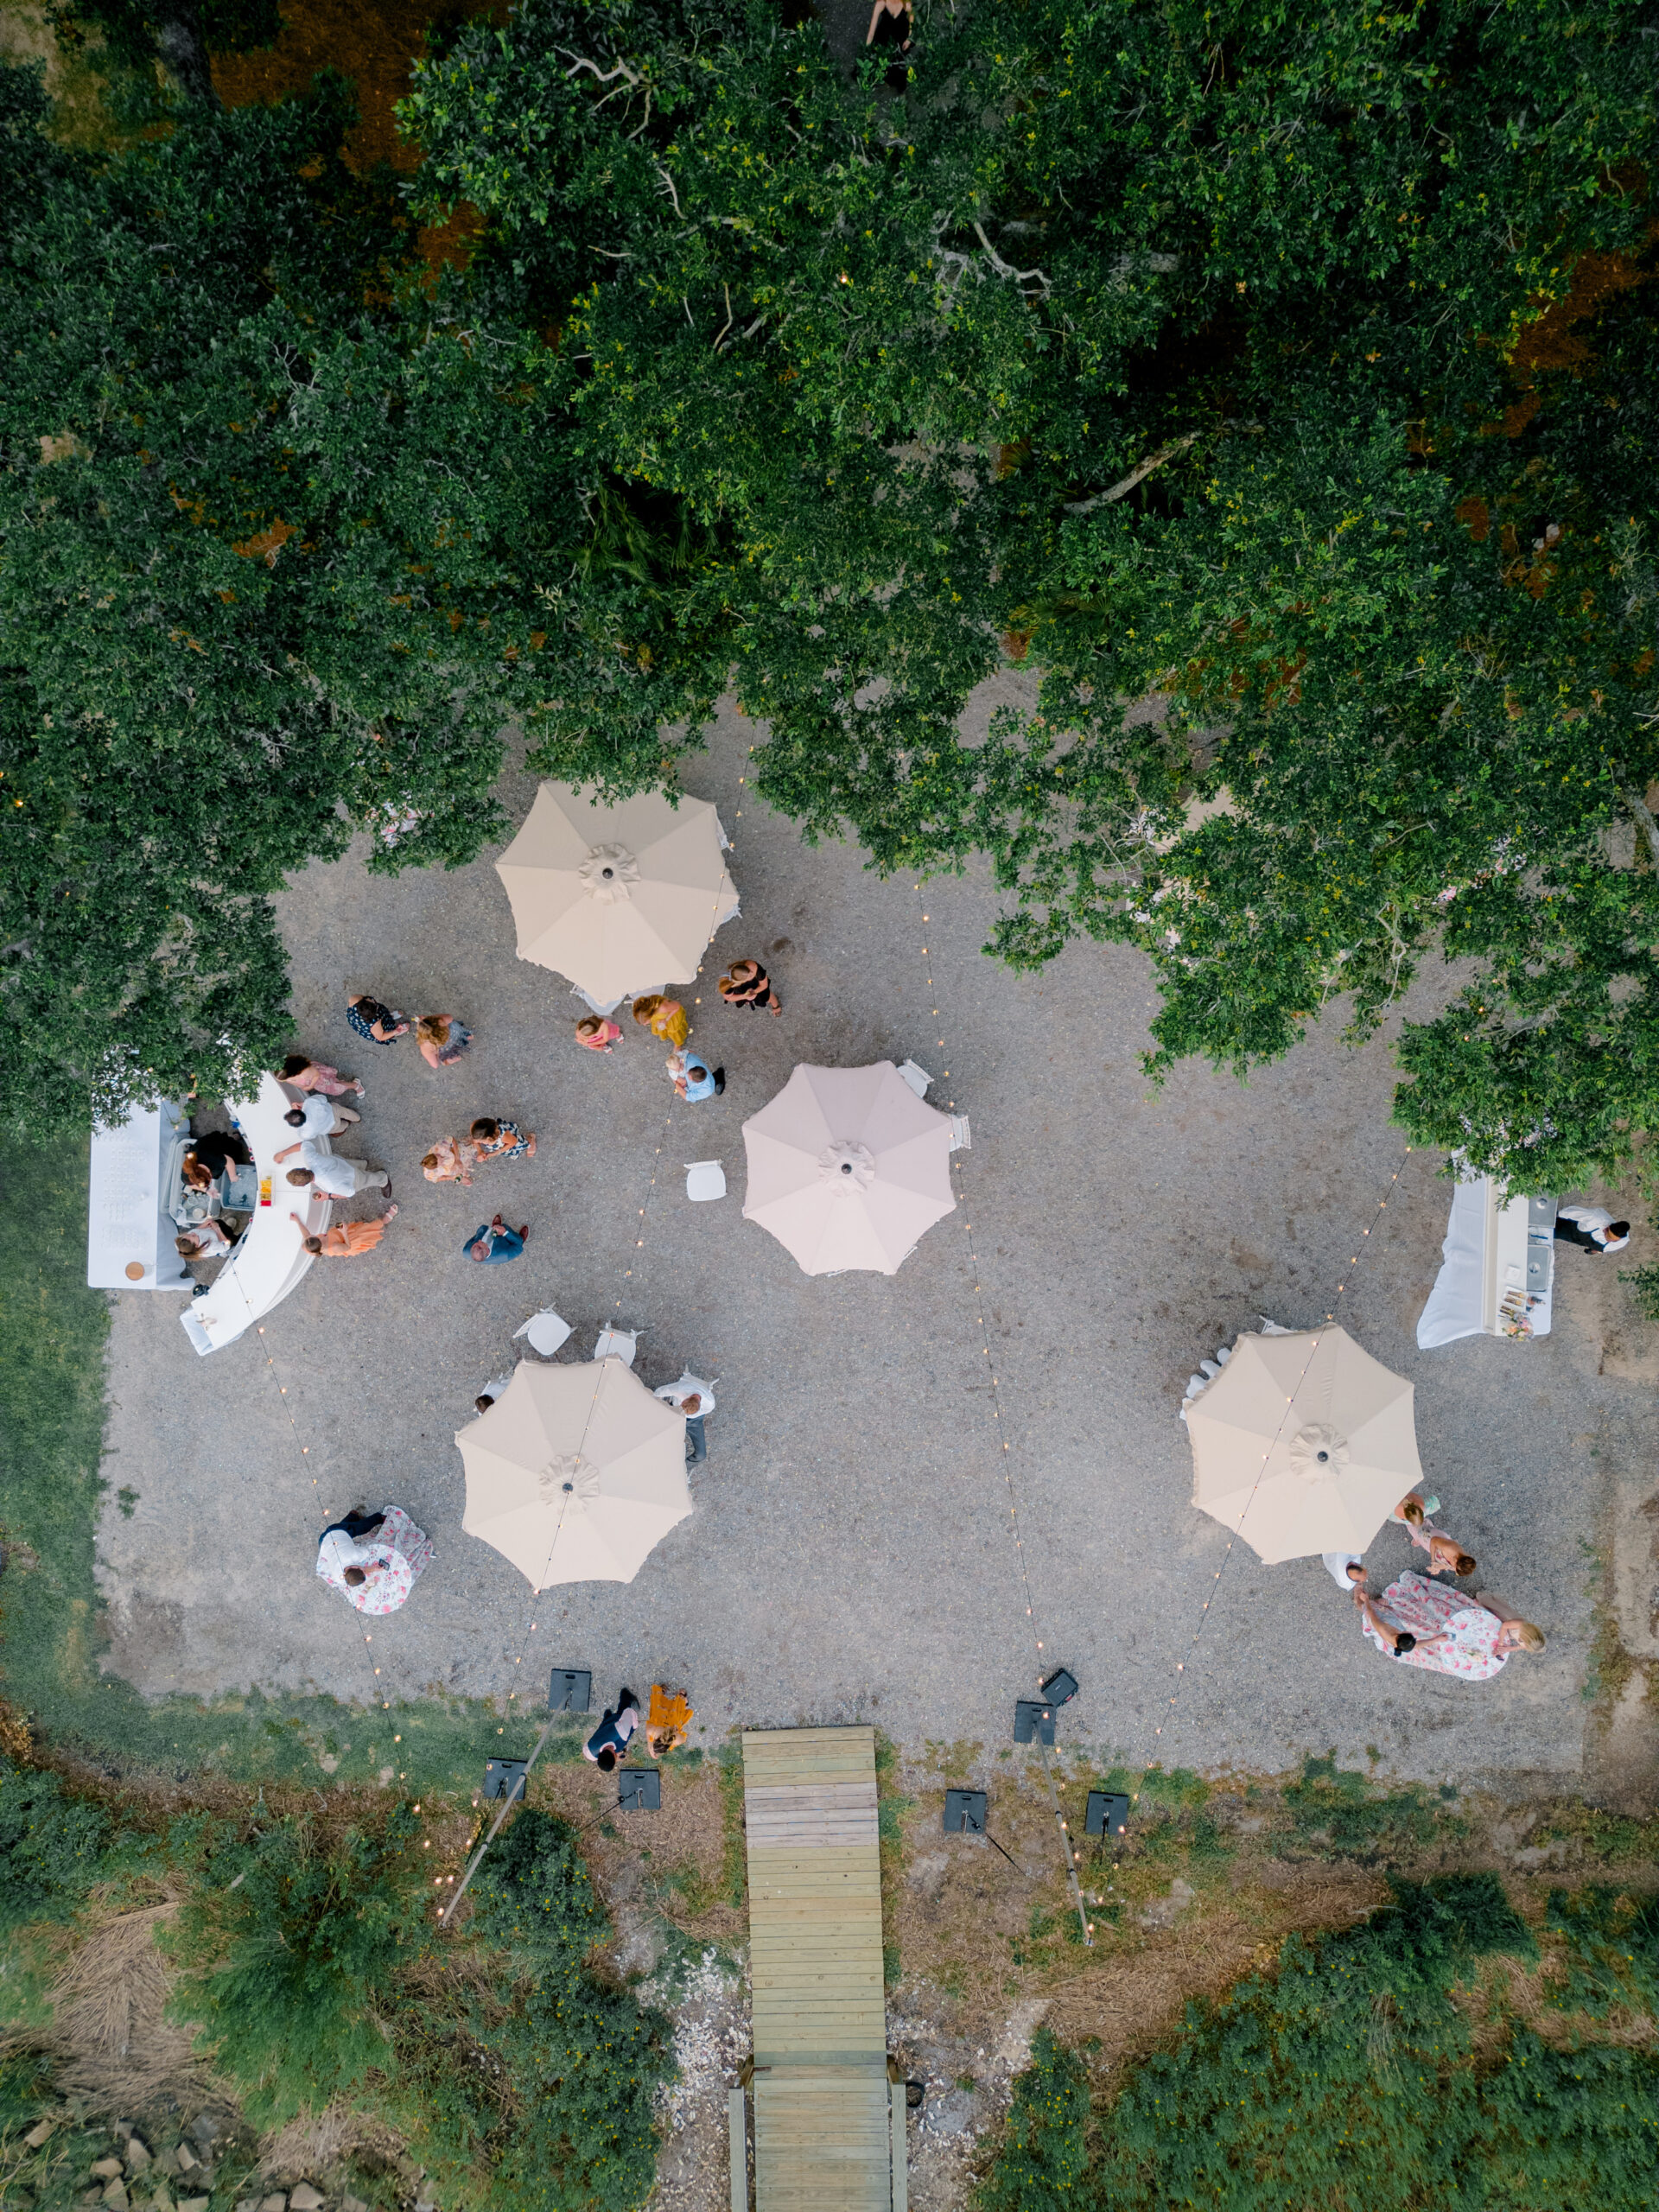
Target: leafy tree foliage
252 585
1277 385
1292 370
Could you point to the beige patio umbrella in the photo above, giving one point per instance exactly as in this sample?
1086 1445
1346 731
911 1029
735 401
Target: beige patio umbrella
1303 1443
847 1168
620 899
576 1473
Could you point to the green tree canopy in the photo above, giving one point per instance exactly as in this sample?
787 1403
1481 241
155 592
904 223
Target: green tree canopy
1292 372
1278 386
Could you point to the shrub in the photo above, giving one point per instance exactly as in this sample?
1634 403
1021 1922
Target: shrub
551 2086
532 1896
1342 2079
1044 2158
1612 1955
303 1936
51 1847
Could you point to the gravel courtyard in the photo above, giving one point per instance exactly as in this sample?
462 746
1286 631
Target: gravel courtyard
851 1554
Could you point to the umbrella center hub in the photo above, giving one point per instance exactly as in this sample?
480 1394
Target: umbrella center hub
607 872
1317 1454
568 1479
846 1166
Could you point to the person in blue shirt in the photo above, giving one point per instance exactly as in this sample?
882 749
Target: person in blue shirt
495 1242
609 1741
693 1079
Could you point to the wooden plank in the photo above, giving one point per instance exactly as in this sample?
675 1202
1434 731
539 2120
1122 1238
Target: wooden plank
830 1792
899 2149
822 2114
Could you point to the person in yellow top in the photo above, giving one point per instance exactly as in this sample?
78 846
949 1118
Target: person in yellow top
346 1240
668 1723
664 1017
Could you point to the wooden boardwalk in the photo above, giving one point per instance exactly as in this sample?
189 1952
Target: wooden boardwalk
828 2135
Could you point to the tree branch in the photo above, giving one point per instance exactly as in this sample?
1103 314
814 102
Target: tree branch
1004 267
1643 814
1138 475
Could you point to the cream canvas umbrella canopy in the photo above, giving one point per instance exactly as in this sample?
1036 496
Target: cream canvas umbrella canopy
576 1473
847 1168
620 899
1303 1443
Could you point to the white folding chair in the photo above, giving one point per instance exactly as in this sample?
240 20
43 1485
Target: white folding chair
915 1076
545 1331
617 1344
704 1179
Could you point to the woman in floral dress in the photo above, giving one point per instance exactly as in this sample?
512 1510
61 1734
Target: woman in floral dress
452 1159
375 1568
493 1140
1454 1634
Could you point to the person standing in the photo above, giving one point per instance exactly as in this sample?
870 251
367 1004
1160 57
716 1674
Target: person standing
664 1017
493 1139
376 1569
1450 1634
450 1161
331 1172
598 1032
692 1077
694 1398
1346 1569
346 1240
314 1075
441 1039
1392 1637
215 1150
207 1241
1593 1229
745 982
492 1391
376 1024
321 1118
610 1740
494 1243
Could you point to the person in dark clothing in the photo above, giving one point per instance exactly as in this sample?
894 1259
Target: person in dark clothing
609 1741
889 31
1593 1229
217 1148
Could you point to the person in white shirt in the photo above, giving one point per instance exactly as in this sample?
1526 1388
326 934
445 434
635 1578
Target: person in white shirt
487 1396
318 1116
1346 1569
1593 1229
694 1398
331 1172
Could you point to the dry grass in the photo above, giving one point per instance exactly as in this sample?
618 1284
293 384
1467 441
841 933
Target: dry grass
307 2148
109 2032
965 1928
686 1841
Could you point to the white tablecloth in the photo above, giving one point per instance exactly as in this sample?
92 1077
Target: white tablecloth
270 1258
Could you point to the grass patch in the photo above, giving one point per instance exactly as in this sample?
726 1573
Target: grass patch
891 1807
310 1970
733 1887
1350 2074
53 1334
1342 1814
